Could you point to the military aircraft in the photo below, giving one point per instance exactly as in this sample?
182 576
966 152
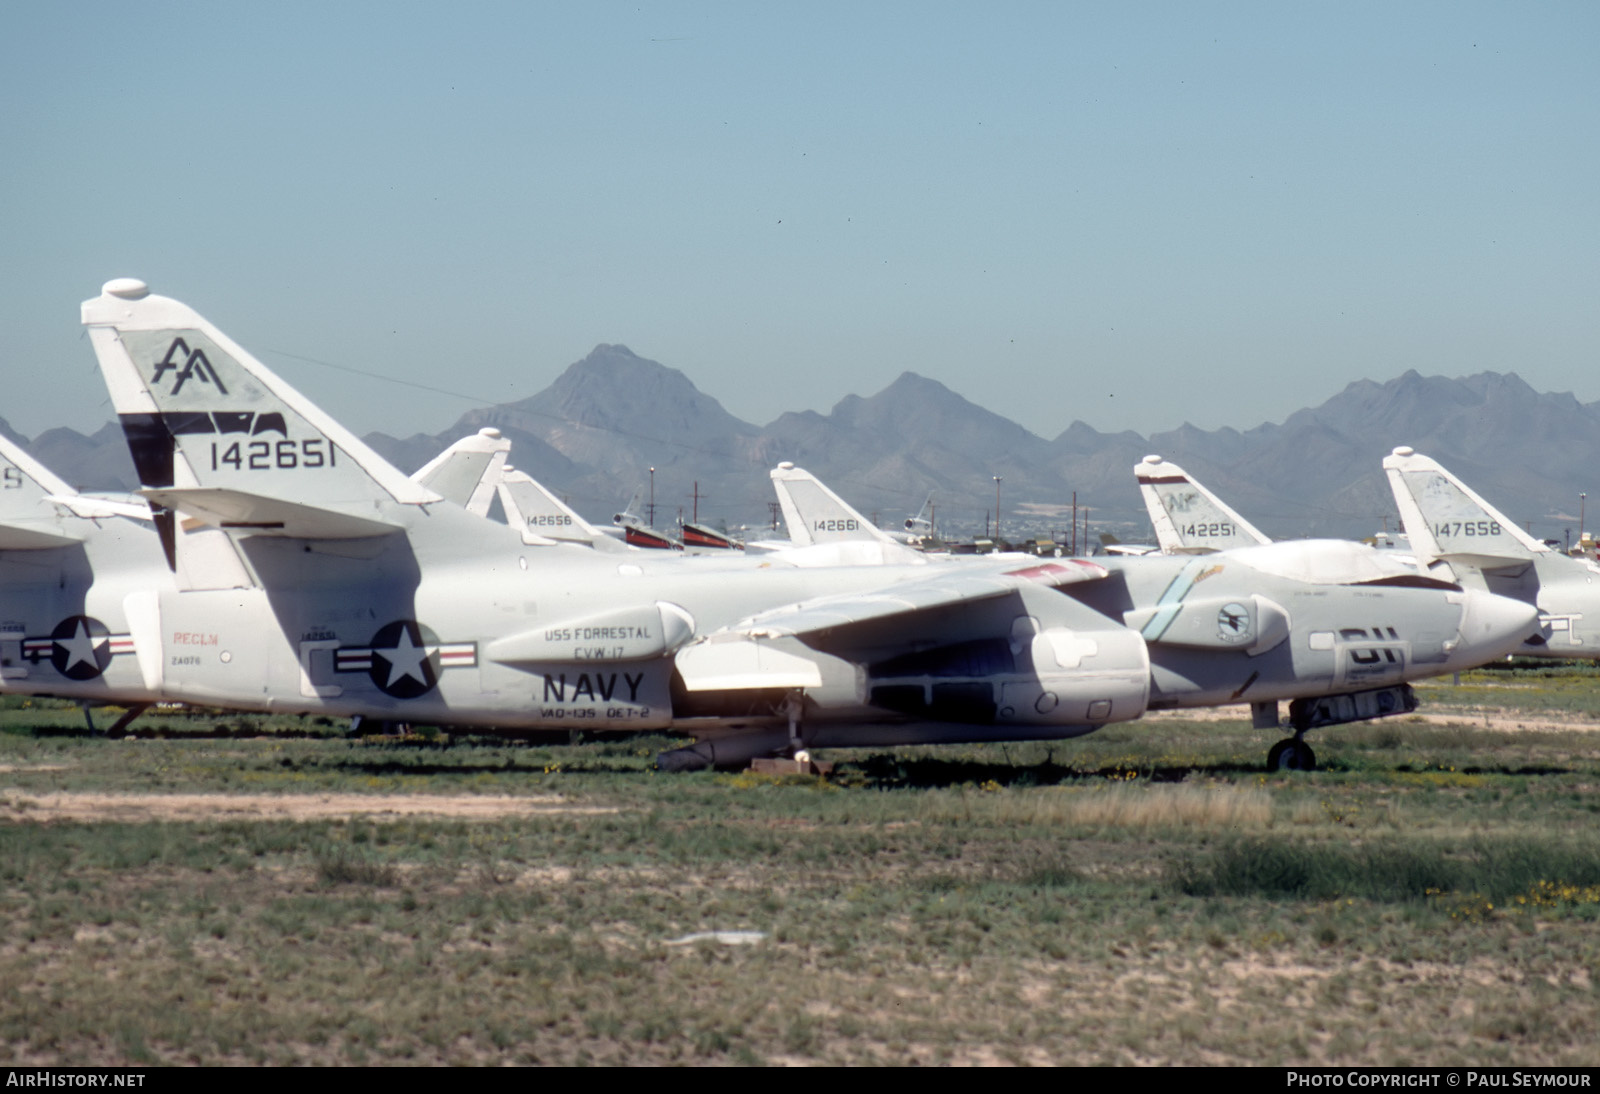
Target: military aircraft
637 533
77 573
1446 521
349 589
1188 518
68 565
1111 545
919 528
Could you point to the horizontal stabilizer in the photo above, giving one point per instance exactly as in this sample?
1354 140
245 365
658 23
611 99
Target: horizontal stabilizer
34 535
238 511
92 507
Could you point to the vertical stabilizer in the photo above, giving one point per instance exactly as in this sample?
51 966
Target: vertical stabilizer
216 433
33 503
469 471
814 514
1188 518
1444 518
542 517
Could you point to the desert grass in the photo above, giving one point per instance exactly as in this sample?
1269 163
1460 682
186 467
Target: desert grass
1144 895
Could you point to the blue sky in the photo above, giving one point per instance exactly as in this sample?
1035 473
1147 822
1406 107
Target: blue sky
1131 214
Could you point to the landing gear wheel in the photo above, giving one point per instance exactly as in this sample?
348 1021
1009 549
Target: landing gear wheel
1291 754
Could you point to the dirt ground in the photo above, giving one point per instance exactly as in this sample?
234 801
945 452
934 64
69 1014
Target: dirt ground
1487 717
26 805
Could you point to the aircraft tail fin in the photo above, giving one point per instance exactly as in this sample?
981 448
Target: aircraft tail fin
1188 518
922 523
1445 519
200 412
469 471
31 503
631 513
536 512
814 514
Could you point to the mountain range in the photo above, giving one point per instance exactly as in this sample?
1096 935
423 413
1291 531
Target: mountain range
594 434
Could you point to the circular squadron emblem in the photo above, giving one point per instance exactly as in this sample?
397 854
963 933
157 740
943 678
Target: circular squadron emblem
405 659
80 647
1233 623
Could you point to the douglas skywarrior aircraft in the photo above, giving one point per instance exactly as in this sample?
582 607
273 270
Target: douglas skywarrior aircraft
349 589
75 569
1446 521
68 563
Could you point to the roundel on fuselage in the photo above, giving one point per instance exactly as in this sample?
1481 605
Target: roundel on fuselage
80 647
405 659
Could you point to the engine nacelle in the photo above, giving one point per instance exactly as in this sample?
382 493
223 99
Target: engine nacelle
1055 677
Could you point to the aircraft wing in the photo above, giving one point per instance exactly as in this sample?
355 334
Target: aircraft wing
26 536
940 589
757 652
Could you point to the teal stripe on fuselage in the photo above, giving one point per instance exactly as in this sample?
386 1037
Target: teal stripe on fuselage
1171 601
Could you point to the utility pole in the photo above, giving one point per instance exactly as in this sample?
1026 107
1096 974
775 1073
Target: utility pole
651 519
997 511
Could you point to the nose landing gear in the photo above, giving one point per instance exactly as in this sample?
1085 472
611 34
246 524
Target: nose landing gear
1291 754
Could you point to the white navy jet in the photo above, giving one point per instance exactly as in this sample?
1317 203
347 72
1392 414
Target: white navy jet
79 573
354 591
1445 520
69 563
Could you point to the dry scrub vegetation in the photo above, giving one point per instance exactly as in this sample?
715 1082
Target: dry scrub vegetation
1143 895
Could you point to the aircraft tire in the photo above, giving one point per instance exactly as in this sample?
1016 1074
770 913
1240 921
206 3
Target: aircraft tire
1291 754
